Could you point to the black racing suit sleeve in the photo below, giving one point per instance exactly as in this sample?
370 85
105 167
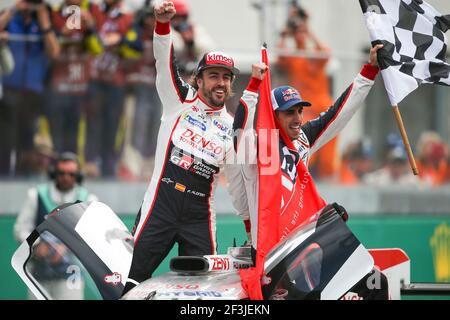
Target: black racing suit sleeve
330 123
238 123
315 128
181 86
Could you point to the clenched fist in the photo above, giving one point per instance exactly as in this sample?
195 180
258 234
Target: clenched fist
165 12
259 70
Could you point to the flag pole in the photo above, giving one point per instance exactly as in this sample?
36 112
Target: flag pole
412 161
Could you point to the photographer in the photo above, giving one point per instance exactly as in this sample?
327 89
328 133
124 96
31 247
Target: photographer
32 42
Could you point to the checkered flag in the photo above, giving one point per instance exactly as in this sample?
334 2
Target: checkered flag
415 45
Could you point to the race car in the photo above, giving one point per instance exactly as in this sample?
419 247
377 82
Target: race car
320 259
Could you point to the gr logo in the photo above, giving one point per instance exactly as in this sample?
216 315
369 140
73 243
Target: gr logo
178 158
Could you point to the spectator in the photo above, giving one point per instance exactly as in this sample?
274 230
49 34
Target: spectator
357 161
51 258
43 156
106 91
6 67
32 41
308 74
395 170
432 155
6 58
190 40
138 157
69 75
447 173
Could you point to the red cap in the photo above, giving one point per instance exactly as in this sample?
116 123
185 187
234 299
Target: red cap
217 59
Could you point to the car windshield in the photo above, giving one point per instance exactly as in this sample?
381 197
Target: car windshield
57 271
296 237
302 275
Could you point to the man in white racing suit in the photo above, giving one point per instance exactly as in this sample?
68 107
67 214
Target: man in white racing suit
195 142
307 138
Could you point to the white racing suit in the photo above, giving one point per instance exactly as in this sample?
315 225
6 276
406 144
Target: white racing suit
313 136
195 140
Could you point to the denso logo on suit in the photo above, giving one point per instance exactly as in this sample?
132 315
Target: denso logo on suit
200 142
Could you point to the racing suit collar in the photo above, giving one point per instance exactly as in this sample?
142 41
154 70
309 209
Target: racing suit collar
202 104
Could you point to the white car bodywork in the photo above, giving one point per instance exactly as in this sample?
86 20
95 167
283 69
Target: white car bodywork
103 244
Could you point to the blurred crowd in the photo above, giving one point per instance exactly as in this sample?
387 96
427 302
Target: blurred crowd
303 60
80 76
359 165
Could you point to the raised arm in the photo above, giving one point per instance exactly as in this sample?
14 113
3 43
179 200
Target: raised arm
325 127
51 43
241 176
171 88
243 124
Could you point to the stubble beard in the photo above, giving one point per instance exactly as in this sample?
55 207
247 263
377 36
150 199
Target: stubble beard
209 95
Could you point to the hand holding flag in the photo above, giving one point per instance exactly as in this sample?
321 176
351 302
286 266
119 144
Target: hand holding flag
415 45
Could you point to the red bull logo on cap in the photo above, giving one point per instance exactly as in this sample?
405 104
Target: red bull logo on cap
219 58
290 94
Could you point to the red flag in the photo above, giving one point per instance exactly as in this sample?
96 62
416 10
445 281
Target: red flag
285 199
269 202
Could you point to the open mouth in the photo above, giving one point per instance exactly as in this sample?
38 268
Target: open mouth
295 129
220 93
